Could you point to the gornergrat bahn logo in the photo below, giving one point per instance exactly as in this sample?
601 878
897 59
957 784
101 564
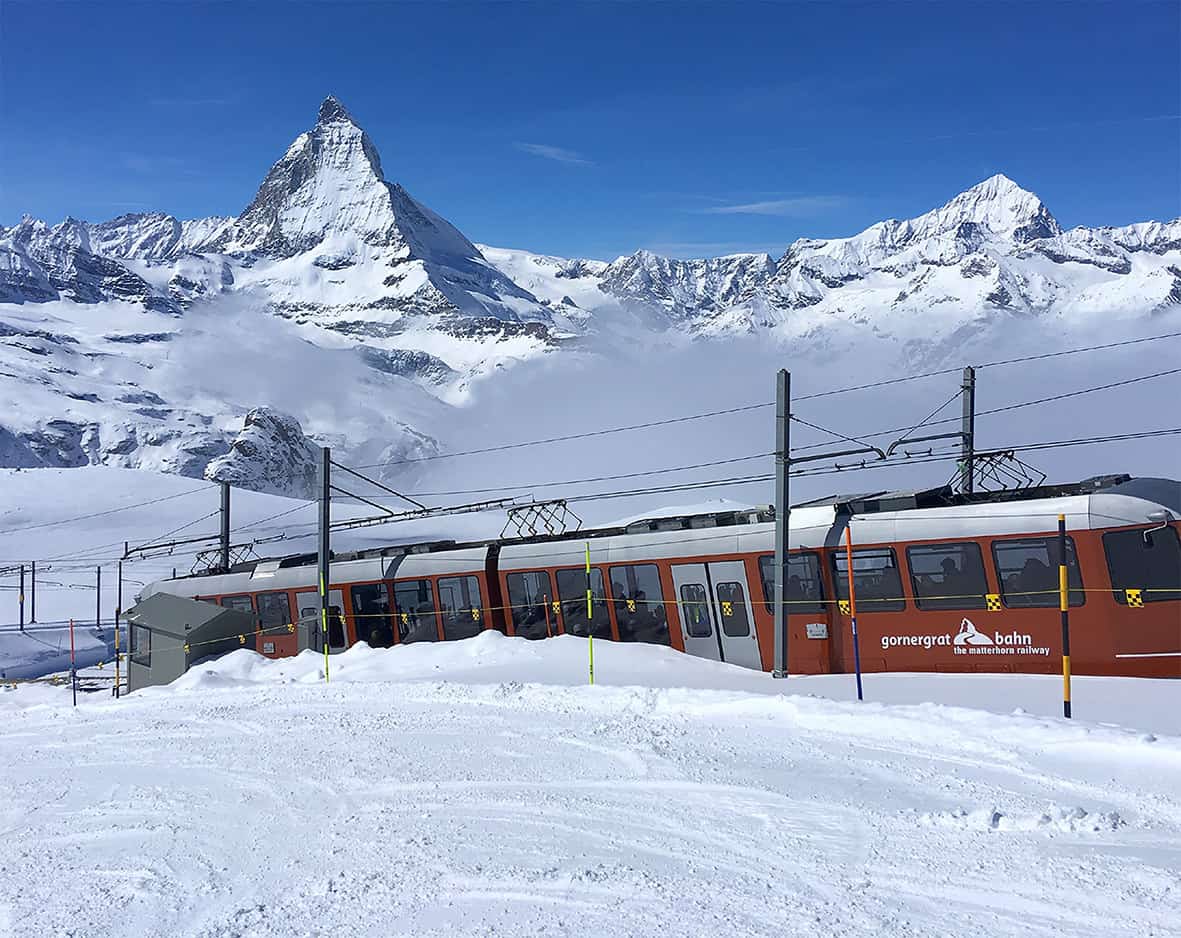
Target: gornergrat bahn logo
969 640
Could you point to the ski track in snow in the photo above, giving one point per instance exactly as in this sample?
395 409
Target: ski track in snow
427 808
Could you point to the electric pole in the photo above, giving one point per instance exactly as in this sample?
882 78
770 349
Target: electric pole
782 519
968 429
225 527
323 552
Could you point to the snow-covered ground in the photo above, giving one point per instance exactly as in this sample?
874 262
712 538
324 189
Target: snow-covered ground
476 788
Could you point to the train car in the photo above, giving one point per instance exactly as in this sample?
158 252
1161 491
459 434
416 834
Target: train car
940 582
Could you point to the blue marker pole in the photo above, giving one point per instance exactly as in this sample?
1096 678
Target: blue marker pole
853 605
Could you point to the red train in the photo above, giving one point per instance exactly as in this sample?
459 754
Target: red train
942 582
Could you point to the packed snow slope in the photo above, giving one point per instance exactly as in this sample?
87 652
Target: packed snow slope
362 316
253 799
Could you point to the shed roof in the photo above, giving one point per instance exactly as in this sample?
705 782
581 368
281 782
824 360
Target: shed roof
175 615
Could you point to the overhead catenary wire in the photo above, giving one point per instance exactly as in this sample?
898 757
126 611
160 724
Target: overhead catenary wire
943 515
187 524
606 478
104 513
1021 404
894 462
709 414
749 407
710 483
905 431
931 415
567 437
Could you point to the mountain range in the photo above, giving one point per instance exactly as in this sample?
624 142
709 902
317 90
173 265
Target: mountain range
103 325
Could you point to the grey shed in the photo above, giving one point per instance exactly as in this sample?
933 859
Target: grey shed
168 634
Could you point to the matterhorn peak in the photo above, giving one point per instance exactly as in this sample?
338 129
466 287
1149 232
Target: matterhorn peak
328 183
332 110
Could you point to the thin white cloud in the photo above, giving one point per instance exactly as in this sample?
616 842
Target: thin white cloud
697 249
801 207
559 154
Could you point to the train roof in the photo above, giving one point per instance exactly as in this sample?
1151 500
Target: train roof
875 517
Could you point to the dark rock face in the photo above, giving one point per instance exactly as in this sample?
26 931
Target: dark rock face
140 338
39 264
1040 225
683 289
270 454
407 363
59 444
54 337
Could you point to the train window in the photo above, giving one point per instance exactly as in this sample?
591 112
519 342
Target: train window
1028 572
463 611
805 592
947 576
572 591
1150 563
274 612
639 604
695 609
371 615
530 596
732 606
141 645
414 601
876 581
241 603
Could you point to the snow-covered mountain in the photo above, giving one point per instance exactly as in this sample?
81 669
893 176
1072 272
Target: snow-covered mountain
102 326
991 251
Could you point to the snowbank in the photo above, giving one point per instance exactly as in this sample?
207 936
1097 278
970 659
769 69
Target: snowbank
481 788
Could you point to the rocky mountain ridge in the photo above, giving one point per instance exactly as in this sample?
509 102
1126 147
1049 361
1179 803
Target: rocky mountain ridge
351 264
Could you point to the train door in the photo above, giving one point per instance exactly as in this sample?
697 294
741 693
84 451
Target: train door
309 620
696 610
736 629
716 621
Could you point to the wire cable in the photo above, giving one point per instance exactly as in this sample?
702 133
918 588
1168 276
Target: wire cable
102 514
748 407
1020 404
571 436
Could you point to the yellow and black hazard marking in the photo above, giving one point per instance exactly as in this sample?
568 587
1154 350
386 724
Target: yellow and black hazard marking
1135 599
475 614
844 605
557 607
992 602
631 605
241 639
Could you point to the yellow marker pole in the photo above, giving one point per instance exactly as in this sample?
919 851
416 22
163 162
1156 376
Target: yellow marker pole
1064 606
590 632
324 624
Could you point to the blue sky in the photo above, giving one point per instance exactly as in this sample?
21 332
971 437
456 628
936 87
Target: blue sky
596 129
